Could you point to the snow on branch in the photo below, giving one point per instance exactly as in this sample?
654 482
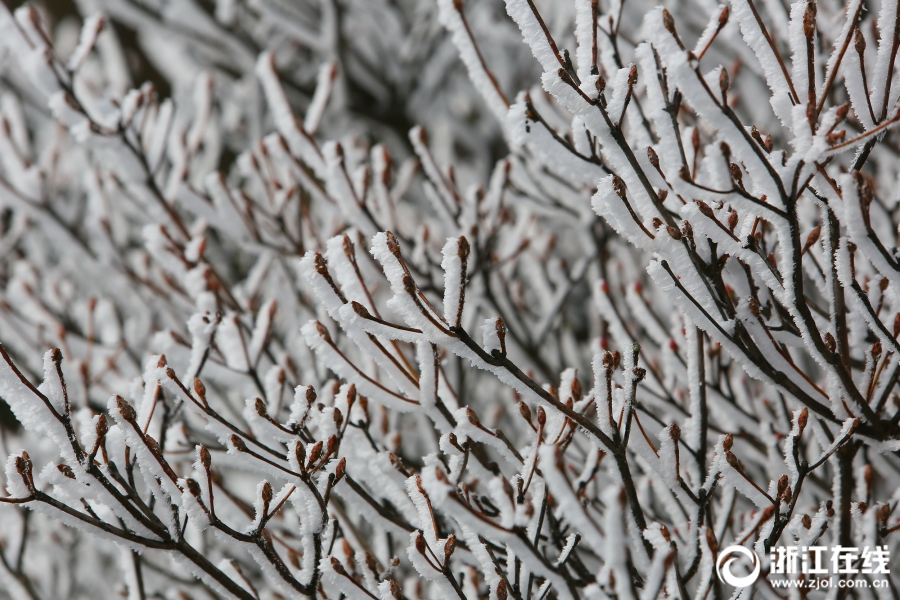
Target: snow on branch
395 300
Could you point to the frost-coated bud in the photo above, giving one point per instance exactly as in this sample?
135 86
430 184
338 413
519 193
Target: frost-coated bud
102 427
315 454
709 222
126 410
237 443
728 442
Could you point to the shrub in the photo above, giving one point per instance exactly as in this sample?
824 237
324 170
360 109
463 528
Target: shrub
575 341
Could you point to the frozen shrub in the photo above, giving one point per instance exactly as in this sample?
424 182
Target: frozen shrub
334 308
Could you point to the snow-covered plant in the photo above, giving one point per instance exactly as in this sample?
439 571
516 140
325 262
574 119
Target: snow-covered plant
332 309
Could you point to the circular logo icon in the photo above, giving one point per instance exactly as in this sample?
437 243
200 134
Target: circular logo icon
727 558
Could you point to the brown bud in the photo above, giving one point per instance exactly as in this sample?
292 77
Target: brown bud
392 243
632 76
619 187
261 408
673 231
238 443
812 238
541 416
200 389
193 487
66 470
525 411
320 265
638 374
56 356
809 21
449 547
607 361
725 150
732 460
24 468
500 327
782 484
126 410
338 567
266 492
860 42
360 309
409 285
728 442
154 446
705 209
102 427
463 248
323 332
723 18
831 345
668 21
420 543
315 453
724 83
653 157
300 453
340 470
803 419
576 389
675 432
205 458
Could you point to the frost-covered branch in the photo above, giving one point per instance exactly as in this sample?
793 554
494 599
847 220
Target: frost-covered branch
372 300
